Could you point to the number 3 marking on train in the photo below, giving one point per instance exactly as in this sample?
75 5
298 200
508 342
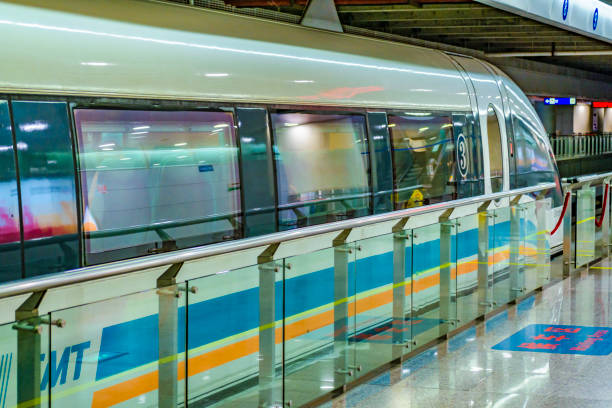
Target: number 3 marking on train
462 155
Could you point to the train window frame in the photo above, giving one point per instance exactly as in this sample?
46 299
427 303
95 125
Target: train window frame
499 141
122 104
318 110
419 112
70 239
12 166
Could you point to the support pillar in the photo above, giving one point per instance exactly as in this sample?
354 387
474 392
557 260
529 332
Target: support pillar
29 328
400 238
341 302
543 255
517 284
569 257
447 316
604 247
267 327
484 300
168 302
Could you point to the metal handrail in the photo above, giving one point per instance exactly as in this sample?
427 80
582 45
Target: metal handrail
589 178
91 273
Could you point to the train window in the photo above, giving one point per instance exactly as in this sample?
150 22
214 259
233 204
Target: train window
423 158
47 180
10 238
495 151
154 181
322 167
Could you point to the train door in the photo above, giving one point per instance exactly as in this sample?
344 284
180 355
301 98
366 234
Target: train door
468 149
492 124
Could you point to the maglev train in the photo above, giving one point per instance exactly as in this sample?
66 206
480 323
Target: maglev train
130 128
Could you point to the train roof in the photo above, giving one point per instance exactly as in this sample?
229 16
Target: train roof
130 48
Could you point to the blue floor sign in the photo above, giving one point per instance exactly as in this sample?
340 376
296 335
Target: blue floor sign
560 339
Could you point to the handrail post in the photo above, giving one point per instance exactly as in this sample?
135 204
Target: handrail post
568 238
517 283
543 240
29 330
446 234
341 304
401 237
585 242
483 259
605 226
167 380
267 326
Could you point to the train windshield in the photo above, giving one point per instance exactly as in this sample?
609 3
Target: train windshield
156 180
534 159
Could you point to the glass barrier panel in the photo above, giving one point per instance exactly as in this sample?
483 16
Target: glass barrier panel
585 226
434 310
523 248
120 351
467 268
601 251
608 218
379 333
319 290
536 244
543 210
500 259
235 338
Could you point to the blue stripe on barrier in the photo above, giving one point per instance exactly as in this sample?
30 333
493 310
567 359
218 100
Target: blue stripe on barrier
135 343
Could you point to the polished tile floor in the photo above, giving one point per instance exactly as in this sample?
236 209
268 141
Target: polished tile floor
466 372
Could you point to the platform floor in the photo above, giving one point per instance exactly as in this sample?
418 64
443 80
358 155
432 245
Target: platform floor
466 372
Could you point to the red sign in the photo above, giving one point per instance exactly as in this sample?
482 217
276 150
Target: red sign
602 104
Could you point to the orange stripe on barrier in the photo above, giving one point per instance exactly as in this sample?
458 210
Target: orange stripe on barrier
371 302
309 324
223 355
124 391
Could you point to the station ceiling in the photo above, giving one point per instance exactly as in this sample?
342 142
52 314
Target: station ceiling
461 23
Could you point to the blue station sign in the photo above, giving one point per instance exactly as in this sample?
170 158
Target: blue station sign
565 10
560 339
559 101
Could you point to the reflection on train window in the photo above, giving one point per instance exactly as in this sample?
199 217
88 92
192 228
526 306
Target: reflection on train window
322 167
10 239
423 158
156 181
495 151
48 197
